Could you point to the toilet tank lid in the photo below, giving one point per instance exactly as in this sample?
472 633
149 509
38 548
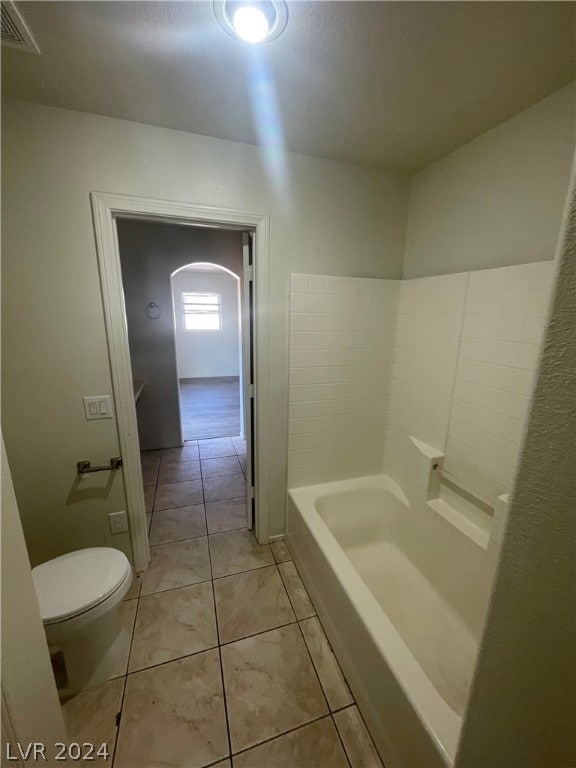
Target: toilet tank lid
77 581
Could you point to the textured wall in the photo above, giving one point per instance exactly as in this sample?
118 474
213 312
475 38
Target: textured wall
522 708
497 200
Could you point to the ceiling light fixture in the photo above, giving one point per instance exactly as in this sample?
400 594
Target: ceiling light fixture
254 22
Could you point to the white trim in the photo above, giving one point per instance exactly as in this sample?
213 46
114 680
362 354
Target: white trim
105 207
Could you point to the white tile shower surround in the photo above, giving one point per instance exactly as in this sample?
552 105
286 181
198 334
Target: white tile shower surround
448 359
341 338
228 663
503 323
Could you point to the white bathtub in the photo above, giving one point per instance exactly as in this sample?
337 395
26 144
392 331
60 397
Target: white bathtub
402 596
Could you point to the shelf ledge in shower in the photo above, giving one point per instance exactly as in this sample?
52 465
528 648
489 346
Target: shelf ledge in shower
474 524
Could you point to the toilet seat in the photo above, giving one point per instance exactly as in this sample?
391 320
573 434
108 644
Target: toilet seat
73 584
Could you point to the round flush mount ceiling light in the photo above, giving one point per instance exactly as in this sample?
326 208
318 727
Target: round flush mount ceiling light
254 22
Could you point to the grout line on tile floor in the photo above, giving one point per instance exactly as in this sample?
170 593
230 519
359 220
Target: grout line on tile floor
300 621
255 634
228 530
247 570
330 712
121 710
177 541
340 739
278 735
304 639
170 661
219 646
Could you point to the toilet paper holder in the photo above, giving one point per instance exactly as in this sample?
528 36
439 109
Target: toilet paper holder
83 467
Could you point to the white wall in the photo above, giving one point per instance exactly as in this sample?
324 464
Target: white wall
341 336
498 200
333 218
150 252
201 354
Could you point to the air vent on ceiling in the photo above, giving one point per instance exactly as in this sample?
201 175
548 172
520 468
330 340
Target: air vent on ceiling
15 32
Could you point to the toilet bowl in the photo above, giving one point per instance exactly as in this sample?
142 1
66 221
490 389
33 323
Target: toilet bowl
79 595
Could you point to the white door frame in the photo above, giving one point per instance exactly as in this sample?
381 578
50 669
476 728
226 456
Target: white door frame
106 207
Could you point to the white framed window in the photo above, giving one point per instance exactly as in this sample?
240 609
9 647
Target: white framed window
201 311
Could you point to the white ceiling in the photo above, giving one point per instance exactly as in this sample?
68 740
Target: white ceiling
388 84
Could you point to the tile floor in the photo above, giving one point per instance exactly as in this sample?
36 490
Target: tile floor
226 663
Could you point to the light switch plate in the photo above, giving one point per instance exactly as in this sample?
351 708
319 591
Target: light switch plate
118 522
98 407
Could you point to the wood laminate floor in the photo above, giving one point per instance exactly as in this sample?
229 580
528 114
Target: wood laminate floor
210 407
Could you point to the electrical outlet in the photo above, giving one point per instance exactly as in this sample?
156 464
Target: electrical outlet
118 522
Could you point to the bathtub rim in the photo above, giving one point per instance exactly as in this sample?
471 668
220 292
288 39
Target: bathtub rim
441 722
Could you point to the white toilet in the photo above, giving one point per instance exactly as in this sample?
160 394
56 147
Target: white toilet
79 596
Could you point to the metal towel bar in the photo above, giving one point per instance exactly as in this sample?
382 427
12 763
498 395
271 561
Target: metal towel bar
84 467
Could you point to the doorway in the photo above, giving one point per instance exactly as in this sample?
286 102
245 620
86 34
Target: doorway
109 211
207 318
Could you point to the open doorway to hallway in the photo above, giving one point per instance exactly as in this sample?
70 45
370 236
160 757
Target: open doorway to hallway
187 315
207 315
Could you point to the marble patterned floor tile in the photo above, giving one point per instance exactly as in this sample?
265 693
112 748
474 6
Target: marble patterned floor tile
280 551
224 487
301 602
356 739
148 521
236 551
188 452
177 524
178 495
251 602
150 458
313 746
271 686
173 715
213 449
173 624
329 672
149 492
150 474
179 472
225 465
226 515
222 764
134 590
177 564
91 717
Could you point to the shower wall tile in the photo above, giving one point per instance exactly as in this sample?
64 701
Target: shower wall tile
449 360
424 361
341 344
504 320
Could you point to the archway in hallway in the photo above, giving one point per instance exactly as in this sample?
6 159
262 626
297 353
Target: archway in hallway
207 320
